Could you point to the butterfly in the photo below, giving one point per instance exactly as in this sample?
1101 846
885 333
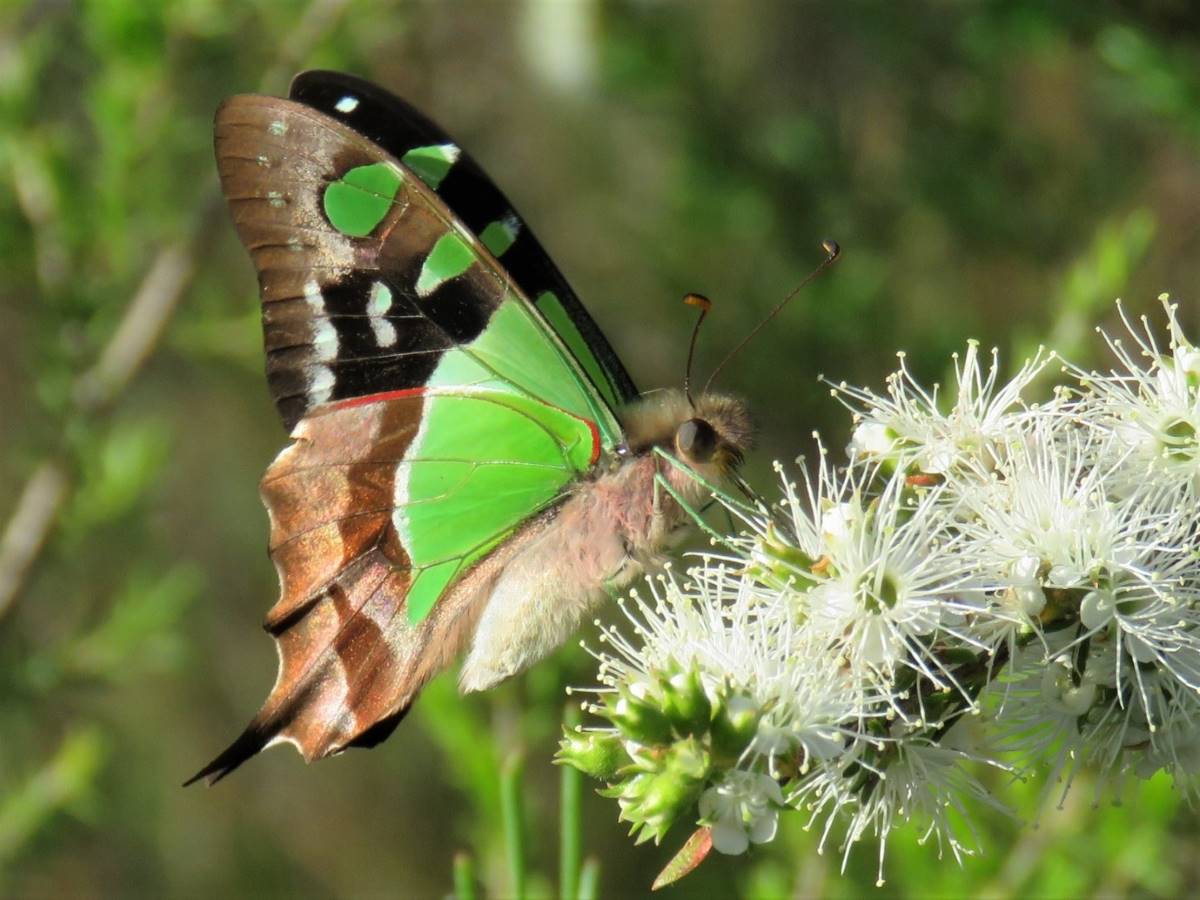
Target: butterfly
471 470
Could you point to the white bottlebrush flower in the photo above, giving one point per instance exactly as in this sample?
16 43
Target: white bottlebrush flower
1037 566
1152 619
890 583
1075 706
1150 404
813 515
1045 518
911 429
1054 719
722 624
742 808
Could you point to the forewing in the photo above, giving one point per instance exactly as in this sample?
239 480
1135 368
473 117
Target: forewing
407 135
369 282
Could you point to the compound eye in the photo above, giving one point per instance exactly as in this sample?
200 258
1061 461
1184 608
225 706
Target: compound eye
696 440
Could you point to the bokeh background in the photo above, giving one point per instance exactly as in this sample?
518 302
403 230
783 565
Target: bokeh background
1000 171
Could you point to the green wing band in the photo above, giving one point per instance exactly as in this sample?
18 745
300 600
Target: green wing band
517 351
481 464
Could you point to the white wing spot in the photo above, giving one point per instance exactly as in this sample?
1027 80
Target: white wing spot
324 337
381 299
385 332
347 104
324 340
320 384
377 307
277 128
275 198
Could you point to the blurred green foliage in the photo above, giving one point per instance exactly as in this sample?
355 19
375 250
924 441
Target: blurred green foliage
992 170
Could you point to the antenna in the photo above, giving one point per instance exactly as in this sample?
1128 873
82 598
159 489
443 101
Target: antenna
832 252
704 305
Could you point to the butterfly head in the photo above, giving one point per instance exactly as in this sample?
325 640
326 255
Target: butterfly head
711 434
716 435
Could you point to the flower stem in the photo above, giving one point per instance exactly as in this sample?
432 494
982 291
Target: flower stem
512 808
589 879
570 819
464 877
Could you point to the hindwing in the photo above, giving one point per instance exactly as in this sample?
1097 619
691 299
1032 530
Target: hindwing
387 540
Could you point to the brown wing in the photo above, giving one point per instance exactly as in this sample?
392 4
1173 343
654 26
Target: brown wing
326 339
350 663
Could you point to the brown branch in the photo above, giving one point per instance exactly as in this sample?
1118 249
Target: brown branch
140 328
26 533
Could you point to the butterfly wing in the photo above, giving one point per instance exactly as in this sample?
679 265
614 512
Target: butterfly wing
437 420
387 537
407 135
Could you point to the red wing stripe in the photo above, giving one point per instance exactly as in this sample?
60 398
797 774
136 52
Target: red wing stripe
379 398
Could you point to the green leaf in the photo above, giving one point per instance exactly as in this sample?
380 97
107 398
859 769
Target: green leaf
63 781
118 472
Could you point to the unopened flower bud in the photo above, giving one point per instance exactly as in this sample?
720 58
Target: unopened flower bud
733 727
1061 691
599 754
652 801
639 719
685 703
1097 608
774 559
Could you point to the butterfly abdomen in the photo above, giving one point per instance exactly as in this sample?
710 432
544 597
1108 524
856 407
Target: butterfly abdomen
607 532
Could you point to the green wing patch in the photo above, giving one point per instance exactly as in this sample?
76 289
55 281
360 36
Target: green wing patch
481 465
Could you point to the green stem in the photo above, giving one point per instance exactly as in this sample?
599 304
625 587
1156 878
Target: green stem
464 877
589 879
570 819
511 803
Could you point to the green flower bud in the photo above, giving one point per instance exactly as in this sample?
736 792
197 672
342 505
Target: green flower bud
686 759
734 725
637 719
685 703
599 754
653 800
776 562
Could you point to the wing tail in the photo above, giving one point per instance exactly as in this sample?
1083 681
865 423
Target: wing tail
349 659
249 743
348 663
